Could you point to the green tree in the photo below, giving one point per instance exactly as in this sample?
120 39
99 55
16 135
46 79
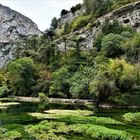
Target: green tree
22 73
114 77
80 81
132 49
112 45
60 85
46 54
54 23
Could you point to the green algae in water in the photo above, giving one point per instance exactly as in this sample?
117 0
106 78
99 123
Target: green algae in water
74 122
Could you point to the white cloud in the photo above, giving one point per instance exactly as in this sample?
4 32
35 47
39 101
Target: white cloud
40 11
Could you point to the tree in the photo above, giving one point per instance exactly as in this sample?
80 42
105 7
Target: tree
80 81
46 54
114 77
64 12
54 23
50 33
132 49
88 4
94 6
112 45
22 74
60 85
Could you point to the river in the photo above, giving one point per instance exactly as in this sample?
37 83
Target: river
20 116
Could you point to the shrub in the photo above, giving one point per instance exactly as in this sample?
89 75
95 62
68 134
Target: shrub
3 91
75 8
42 97
111 45
22 75
64 12
79 22
114 77
12 135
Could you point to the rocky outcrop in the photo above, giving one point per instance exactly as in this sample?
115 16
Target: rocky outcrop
13 27
126 15
68 18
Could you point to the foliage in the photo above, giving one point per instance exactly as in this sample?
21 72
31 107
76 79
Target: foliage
109 71
22 74
80 83
75 8
42 97
113 77
60 85
79 22
3 91
132 48
101 7
64 12
114 27
111 45
54 23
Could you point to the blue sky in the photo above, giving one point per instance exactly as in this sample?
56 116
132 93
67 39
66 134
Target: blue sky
40 11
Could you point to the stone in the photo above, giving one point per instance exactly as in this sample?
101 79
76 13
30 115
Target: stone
126 15
13 27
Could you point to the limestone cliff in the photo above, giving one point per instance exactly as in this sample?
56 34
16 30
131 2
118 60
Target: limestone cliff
13 27
126 15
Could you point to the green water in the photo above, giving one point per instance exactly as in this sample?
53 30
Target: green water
15 120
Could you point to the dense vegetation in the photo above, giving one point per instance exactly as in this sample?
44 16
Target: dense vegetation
100 7
110 71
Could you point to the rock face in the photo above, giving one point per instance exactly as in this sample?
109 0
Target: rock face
69 17
126 15
13 27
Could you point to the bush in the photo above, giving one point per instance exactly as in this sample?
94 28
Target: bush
60 85
111 45
64 12
3 91
132 48
80 22
22 73
114 77
42 97
12 135
75 8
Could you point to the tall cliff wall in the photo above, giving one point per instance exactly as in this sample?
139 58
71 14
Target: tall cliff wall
13 27
126 15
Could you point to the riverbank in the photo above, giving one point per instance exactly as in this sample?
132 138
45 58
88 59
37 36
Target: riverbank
68 101
50 100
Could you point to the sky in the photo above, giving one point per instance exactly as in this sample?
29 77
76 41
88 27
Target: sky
40 11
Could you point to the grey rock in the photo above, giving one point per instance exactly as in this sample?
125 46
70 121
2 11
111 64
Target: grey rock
13 27
126 15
